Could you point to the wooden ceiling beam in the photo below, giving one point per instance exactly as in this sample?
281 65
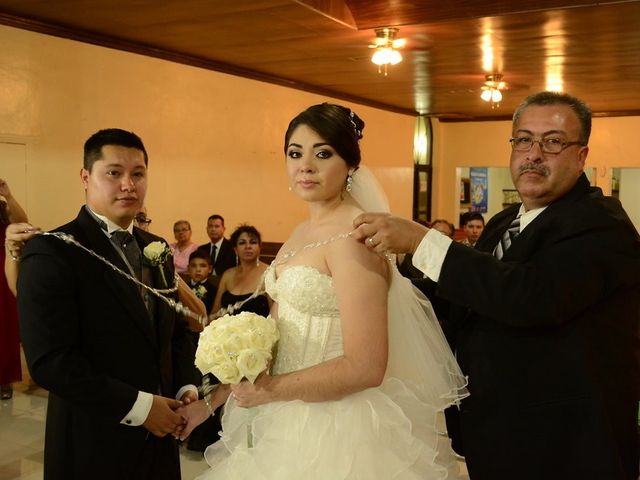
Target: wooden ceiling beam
387 13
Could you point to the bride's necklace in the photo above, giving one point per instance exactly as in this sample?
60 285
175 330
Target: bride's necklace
158 292
291 253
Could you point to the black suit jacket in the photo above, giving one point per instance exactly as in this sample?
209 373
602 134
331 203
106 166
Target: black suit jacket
91 342
225 259
549 339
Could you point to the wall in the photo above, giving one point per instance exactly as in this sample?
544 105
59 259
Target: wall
214 141
629 179
485 144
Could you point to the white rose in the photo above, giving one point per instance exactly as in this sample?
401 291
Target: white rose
154 251
227 372
252 363
235 343
263 341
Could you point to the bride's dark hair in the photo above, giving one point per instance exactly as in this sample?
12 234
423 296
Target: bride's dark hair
338 125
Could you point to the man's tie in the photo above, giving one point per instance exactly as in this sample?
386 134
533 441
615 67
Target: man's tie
213 254
130 249
509 235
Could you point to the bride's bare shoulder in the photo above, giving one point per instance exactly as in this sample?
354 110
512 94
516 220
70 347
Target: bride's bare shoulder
349 251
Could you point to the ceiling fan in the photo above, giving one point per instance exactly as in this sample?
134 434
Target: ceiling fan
387 48
492 89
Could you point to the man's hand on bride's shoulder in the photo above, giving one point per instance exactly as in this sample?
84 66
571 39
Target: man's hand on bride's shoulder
249 394
383 232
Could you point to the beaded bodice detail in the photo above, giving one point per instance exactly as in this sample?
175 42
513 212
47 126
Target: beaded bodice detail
308 317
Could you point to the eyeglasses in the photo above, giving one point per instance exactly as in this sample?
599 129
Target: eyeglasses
547 145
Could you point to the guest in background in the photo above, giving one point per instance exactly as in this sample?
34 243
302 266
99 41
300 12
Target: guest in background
220 249
444 226
15 236
238 283
473 225
198 271
141 220
10 369
183 247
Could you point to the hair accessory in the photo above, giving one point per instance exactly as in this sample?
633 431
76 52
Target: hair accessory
349 186
352 119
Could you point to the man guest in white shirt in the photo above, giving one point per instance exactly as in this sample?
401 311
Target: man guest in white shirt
223 257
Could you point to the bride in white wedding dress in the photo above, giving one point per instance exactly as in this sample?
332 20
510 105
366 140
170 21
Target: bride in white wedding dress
362 367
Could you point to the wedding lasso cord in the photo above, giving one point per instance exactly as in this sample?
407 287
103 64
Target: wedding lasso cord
178 306
158 292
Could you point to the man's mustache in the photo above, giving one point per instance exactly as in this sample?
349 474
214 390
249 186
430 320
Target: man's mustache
535 168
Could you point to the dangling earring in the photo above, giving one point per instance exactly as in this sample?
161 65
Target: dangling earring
290 189
349 186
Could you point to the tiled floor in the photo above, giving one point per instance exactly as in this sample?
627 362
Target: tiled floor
22 437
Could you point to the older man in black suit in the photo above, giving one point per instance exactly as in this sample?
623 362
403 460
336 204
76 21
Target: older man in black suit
546 310
112 355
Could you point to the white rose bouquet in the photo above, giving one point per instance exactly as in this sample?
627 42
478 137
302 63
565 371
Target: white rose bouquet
156 254
239 346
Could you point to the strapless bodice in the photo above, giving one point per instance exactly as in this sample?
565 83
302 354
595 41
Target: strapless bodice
308 317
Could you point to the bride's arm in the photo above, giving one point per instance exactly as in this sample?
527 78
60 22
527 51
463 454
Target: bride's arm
360 282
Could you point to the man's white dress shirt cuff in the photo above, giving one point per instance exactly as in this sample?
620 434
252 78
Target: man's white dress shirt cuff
186 389
429 256
140 410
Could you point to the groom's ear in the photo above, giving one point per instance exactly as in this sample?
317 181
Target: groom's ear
84 177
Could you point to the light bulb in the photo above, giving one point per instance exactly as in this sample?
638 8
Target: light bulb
486 95
394 57
496 96
380 56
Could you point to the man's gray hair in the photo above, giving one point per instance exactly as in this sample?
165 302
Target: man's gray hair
581 109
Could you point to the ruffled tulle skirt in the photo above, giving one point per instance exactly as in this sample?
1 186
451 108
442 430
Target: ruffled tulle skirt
382 433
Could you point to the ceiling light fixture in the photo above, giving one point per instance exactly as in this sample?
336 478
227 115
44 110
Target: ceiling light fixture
386 48
492 89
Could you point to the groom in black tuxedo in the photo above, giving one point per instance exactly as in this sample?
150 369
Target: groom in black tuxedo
112 355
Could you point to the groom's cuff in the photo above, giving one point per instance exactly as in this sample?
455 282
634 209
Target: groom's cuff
140 410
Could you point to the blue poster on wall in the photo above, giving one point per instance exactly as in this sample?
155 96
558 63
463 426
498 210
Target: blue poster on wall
479 189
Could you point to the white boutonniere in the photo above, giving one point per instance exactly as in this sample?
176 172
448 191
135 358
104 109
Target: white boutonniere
200 291
155 254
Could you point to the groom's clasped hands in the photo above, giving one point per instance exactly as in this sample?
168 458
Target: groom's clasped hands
169 416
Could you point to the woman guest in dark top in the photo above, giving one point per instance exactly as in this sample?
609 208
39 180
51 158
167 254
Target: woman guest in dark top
240 282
